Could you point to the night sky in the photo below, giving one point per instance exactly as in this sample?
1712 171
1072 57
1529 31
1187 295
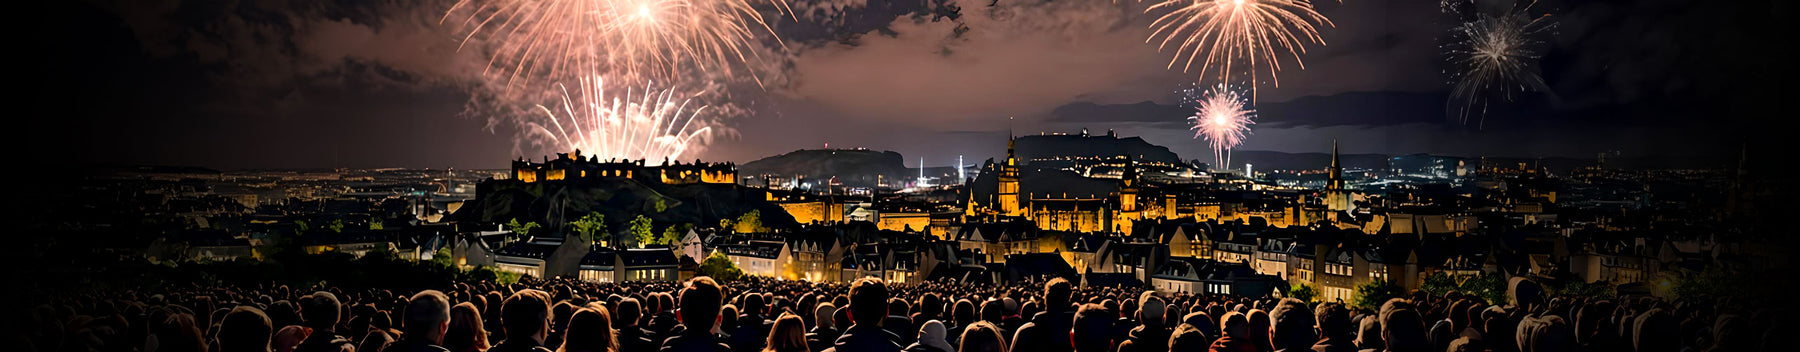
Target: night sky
347 83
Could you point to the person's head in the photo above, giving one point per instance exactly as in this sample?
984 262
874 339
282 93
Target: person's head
898 307
180 333
288 337
963 312
1151 311
1259 327
822 314
701 299
465 332
245 329
526 314
992 311
1402 329
1334 321
1368 335
868 301
788 335
1199 320
1056 295
1655 330
1092 330
628 313
321 310
1293 326
1188 338
753 304
930 306
1234 325
1548 333
982 337
427 317
589 330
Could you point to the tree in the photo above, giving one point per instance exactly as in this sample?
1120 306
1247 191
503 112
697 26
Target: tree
640 231
337 225
750 222
661 204
590 226
1302 292
1372 294
672 235
1490 287
376 225
719 267
521 229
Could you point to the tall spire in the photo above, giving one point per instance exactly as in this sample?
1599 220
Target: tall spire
1336 174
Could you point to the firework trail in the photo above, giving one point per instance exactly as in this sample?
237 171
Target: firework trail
1494 56
1232 36
629 39
647 124
1223 118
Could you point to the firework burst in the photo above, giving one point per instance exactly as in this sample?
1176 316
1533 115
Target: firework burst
633 39
1236 36
1223 118
647 124
1494 56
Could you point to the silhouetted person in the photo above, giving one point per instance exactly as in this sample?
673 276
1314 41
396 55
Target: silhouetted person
868 307
589 330
787 335
1152 335
245 329
465 332
321 311
427 319
982 336
1293 328
1091 330
525 317
824 332
701 299
1044 332
625 320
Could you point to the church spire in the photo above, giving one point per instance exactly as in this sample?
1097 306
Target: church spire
1336 174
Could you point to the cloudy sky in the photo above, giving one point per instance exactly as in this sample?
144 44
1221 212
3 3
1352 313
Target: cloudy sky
300 83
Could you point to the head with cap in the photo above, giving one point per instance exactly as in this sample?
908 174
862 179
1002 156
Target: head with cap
934 334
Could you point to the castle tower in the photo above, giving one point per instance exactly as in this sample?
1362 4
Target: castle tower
1009 182
1128 192
1336 197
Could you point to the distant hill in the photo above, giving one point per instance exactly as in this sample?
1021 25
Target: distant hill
1052 146
852 167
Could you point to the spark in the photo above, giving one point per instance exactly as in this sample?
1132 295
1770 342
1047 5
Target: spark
1232 36
632 39
646 124
1223 118
1495 56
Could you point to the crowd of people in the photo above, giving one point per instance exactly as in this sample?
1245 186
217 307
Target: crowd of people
867 315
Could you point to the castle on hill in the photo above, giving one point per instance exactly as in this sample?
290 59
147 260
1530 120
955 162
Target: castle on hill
574 166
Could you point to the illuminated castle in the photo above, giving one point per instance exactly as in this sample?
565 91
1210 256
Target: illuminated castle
577 166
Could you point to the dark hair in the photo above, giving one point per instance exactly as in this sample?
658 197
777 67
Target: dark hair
627 313
753 304
992 311
1056 295
245 328
1093 328
868 301
321 310
590 329
1293 326
1334 321
700 302
963 312
1402 329
524 313
981 337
